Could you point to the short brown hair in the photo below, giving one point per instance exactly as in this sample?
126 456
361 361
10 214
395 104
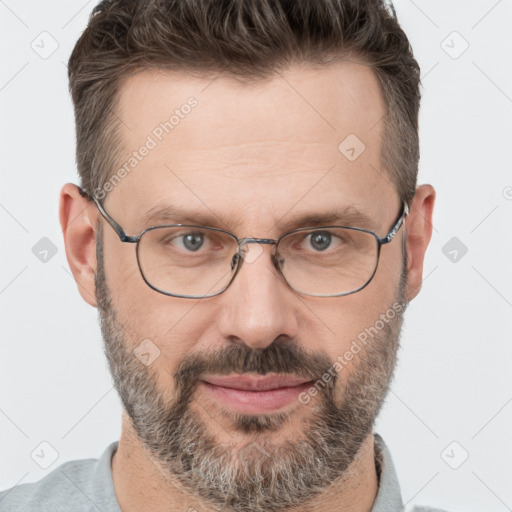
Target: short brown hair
250 40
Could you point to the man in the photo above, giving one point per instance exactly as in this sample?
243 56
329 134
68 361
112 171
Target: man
249 227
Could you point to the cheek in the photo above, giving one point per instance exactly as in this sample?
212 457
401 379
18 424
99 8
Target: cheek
171 324
334 325
341 321
141 310
168 326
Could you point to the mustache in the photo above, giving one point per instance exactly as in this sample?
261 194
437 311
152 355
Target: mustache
279 357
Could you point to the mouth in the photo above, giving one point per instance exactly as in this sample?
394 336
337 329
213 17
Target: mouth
255 394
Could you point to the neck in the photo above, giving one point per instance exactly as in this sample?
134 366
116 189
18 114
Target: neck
140 484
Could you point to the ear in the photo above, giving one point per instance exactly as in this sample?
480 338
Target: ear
77 220
418 231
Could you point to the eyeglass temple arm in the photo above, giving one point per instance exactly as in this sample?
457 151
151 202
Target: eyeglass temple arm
116 227
398 224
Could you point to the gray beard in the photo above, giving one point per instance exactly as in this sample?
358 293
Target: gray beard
256 476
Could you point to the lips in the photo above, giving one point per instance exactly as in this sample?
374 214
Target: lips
250 394
255 383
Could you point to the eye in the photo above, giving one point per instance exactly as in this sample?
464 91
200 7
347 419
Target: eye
320 240
192 241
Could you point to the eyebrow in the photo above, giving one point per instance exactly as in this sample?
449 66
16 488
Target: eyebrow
349 216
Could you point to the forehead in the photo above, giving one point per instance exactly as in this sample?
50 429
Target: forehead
308 101
306 137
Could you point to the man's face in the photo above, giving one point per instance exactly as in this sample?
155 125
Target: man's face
252 158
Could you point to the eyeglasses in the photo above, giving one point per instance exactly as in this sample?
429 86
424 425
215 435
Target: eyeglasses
196 262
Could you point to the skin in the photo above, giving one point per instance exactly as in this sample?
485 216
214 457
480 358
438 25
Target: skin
254 155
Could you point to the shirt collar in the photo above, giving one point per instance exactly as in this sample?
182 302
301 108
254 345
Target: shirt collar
388 496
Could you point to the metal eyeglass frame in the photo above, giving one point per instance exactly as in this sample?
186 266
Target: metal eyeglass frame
237 259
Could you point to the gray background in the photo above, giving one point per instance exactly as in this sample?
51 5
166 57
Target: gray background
452 396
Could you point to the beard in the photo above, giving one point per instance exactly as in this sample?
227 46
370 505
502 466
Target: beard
253 475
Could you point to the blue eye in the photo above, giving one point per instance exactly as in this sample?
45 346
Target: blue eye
192 241
320 240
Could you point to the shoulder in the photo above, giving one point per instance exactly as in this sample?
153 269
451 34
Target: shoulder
56 491
75 485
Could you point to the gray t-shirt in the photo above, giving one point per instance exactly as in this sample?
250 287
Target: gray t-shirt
86 486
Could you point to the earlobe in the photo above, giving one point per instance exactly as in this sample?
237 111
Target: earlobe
79 233
418 232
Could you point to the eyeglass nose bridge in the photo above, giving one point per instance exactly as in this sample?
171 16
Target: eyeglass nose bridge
249 240
268 241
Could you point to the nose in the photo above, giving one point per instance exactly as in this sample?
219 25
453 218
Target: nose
258 306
